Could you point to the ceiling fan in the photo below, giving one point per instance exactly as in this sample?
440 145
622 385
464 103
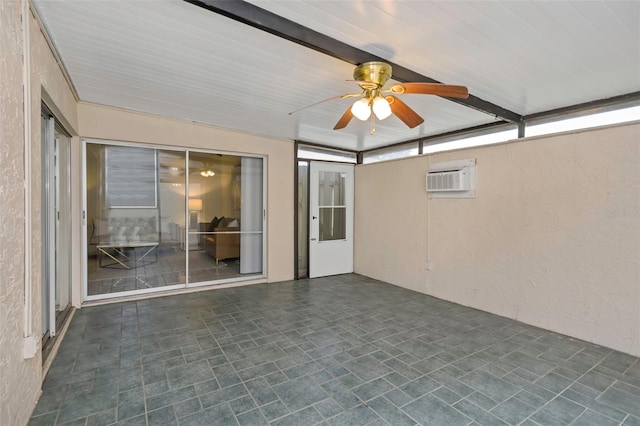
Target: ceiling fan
371 77
196 168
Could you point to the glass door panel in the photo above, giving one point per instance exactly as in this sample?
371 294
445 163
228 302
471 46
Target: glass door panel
226 216
47 124
160 219
303 218
135 211
62 299
171 269
56 230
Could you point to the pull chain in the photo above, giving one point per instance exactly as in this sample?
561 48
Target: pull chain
373 124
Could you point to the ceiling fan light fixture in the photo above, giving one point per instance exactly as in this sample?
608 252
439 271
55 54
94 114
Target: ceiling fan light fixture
381 108
361 109
207 173
372 77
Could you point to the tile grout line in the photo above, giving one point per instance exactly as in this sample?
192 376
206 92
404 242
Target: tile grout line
144 393
567 387
475 390
75 358
633 364
330 397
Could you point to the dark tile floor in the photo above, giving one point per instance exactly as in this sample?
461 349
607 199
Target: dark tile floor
345 350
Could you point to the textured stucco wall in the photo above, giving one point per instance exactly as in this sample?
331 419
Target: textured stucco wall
49 85
46 76
20 379
116 124
390 232
552 239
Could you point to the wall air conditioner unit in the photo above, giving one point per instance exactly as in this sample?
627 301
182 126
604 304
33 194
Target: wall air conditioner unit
452 179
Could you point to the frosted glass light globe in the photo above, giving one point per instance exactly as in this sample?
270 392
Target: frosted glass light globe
361 109
381 108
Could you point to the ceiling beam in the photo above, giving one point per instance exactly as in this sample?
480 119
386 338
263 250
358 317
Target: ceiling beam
277 25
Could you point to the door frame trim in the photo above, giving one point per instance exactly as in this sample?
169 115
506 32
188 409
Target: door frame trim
296 223
349 209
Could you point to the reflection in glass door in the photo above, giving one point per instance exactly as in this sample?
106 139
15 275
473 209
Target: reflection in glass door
228 240
159 219
135 219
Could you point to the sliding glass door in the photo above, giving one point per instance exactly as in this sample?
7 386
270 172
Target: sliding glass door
161 219
56 229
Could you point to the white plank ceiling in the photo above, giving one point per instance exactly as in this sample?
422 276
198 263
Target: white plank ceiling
174 59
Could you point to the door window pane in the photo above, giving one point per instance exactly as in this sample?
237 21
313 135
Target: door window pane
332 223
331 188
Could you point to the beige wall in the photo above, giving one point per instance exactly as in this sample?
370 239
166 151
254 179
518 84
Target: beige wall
552 239
390 231
21 379
101 122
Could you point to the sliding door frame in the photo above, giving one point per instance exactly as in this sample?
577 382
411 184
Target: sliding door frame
264 222
186 150
85 238
56 225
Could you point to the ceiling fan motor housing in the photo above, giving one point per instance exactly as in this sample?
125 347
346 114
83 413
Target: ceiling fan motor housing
377 73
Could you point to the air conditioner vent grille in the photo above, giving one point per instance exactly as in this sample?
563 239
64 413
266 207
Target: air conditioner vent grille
445 181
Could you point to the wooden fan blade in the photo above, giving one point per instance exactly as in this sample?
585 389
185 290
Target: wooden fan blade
404 113
446 90
344 120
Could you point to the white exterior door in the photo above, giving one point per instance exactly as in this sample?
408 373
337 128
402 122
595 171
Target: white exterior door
331 214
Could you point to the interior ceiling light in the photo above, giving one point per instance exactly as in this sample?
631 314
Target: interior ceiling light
174 171
371 77
207 173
